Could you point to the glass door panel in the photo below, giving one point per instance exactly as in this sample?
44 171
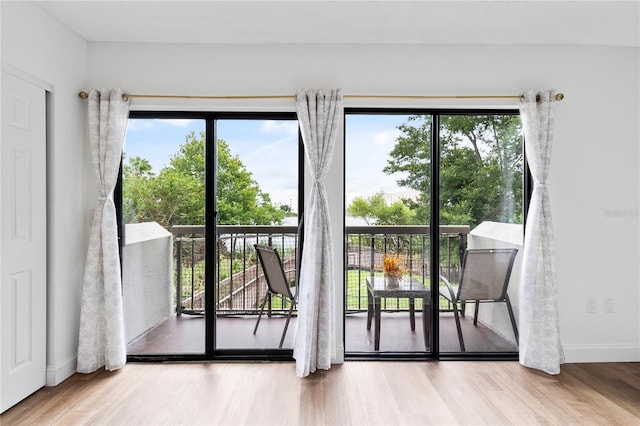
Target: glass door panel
387 233
481 187
163 211
256 203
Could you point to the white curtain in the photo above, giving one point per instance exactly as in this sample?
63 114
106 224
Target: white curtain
540 346
101 337
319 114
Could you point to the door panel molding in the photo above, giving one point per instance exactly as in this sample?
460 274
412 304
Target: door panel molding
23 241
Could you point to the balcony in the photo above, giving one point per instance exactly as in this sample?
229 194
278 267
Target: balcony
240 286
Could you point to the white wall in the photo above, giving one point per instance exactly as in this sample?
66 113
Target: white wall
594 181
147 275
36 46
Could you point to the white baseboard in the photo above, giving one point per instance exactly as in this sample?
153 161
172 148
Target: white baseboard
572 353
58 374
601 353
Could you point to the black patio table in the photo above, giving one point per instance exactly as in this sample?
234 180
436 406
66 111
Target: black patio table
408 287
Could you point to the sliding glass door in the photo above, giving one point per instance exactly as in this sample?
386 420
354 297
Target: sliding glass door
163 217
388 233
421 189
198 191
481 186
257 184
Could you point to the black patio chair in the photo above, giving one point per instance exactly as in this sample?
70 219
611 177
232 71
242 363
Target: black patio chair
484 277
277 283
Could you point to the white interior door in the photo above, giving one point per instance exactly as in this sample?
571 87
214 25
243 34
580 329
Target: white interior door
22 240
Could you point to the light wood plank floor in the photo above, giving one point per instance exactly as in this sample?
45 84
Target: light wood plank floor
378 393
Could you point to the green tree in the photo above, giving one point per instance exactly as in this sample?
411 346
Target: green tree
375 211
137 167
480 167
137 174
495 189
286 209
176 196
411 159
240 200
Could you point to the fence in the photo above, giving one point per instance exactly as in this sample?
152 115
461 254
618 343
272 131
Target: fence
240 284
366 247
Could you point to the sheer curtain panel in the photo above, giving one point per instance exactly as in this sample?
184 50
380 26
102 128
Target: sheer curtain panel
101 338
540 346
319 114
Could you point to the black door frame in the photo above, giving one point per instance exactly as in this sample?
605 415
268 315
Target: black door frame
435 114
211 118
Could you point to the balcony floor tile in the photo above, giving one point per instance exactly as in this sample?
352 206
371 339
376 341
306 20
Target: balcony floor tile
185 335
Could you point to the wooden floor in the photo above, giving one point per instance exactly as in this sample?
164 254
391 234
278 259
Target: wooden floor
355 393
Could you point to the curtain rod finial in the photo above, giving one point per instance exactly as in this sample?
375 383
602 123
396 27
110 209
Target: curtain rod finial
83 95
558 97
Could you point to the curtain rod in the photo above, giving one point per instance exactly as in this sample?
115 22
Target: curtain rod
125 96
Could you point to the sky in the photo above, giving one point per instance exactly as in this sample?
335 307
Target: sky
269 150
369 140
263 146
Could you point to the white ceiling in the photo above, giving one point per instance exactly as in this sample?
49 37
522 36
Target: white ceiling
612 23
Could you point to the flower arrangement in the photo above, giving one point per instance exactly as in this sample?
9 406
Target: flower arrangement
392 266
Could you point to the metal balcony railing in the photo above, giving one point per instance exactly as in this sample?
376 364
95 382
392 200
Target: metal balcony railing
240 284
366 247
